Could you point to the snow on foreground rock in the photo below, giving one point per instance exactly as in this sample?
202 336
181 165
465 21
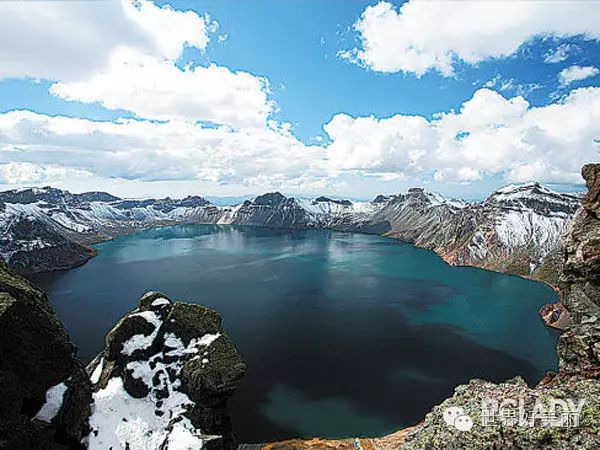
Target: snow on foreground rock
164 380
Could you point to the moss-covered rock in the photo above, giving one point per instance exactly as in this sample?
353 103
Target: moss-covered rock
176 357
125 329
190 321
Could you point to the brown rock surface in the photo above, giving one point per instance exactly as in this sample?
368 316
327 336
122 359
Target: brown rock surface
555 315
390 442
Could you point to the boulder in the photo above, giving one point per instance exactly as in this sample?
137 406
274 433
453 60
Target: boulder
555 315
169 369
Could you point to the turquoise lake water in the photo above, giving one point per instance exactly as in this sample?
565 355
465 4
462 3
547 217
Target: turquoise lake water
344 334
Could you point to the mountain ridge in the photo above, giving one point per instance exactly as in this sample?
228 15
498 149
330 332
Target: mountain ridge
517 229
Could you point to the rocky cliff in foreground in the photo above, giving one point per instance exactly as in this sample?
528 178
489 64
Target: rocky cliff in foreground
163 381
517 229
45 393
458 422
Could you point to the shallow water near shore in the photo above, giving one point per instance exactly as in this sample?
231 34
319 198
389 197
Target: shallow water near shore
344 334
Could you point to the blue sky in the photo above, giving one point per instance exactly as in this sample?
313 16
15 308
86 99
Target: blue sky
309 63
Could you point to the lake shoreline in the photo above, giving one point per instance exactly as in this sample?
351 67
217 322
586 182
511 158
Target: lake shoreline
100 240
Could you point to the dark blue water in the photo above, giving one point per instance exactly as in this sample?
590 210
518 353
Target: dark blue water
344 334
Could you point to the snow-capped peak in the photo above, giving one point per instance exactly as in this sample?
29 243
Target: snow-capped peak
533 196
521 190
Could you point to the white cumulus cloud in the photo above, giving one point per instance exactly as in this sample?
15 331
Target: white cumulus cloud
489 135
122 55
576 73
24 173
157 89
148 151
431 35
67 40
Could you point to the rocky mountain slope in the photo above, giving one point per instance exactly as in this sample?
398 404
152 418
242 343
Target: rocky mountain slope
517 229
163 381
524 427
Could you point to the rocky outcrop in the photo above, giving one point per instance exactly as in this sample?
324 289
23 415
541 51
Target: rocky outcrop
475 417
555 315
164 380
45 393
580 280
35 244
51 258
579 346
526 430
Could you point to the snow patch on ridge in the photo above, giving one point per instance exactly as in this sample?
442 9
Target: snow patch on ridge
160 302
194 347
119 420
54 400
95 377
517 229
140 341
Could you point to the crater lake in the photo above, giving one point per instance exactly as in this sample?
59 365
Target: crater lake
343 334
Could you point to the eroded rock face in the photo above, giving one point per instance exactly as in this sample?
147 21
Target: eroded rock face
579 346
164 380
580 280
32 244
434 432
45 393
